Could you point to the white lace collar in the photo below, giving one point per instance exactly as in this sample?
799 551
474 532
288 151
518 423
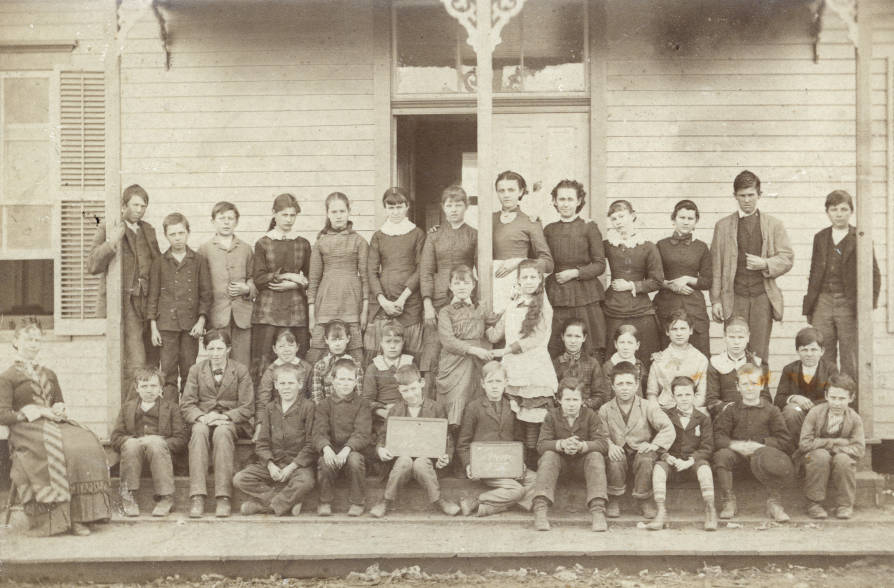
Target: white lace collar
616 359
614 238
396 229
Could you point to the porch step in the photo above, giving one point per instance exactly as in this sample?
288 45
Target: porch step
683 496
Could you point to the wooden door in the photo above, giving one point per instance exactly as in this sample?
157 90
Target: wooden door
545 148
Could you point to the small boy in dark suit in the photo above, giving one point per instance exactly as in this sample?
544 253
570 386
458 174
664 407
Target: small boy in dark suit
342 432
149 428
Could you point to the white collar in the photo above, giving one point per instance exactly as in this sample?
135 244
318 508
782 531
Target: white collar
570 220
724 364
456 300
135 227
809 371
286 407
396 229
222 241
508 217
839 234
614 238
277 235
295 361
147 407
616 359
382 364
743 215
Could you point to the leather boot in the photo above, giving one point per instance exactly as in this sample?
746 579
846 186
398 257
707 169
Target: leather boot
541 507
597 515
710 516
660 520
729 505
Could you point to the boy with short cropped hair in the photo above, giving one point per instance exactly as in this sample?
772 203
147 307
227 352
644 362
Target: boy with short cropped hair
342 431
574 362
638 432
722 388
149 428
572 438
284 472
413 403
490 418
832 441
690 453
752 431
230 264
336 336
179 302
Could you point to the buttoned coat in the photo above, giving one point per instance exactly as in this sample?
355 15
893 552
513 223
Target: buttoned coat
645 417
775 248
481 422
235 394
170 424
178 292
587 426
695 440
817 276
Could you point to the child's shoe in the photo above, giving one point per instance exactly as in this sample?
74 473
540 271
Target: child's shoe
468 506
296 510
659 521
710 516
196 506
728 510
815 510
776 512
541 507
613 510
844 512
324 509
447 507
486 510
647 508
222 508
80 529
163 506
251 507
131 508
378 510
355 510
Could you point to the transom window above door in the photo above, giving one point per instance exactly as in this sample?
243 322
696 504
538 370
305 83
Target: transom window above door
544 50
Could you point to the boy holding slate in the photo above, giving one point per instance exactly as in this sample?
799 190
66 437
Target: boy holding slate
489 418
413 403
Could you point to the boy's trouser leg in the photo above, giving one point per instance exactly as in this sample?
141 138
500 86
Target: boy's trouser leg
223 441
833 317
773 468
131 465
725 461
425 475
199 448
133 327
401 472
793 418
642 474
356 466
548 470
759 314
241 343
326 476
705 480
844 477
161 464
817 466
593 464
616 474
188 352
659 480
505 492
255 481
290 493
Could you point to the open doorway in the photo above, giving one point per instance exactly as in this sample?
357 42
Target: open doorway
433 152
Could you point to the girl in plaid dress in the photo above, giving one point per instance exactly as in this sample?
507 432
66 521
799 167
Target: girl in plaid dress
281 266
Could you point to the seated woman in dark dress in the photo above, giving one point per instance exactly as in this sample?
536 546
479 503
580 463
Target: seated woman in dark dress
59 468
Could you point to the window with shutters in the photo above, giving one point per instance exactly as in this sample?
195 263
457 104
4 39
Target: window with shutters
81 189
26 197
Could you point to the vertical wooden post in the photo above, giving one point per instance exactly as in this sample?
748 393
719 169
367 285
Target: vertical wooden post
381 14
864 214
485 75
598 54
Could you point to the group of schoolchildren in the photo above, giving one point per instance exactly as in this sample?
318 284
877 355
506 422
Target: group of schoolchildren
312 348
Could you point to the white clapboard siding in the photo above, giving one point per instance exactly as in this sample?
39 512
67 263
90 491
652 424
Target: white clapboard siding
257 102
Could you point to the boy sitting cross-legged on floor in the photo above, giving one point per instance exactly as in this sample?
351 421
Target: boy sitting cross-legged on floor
411 386
752 431
572 438
284 472
832 440
490 418
692 448
638 431
342 432
149 428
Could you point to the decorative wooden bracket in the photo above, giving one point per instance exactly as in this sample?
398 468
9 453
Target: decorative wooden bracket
466 12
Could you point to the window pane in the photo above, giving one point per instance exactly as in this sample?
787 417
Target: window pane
426 50
26 100
27 288
28 227
554 46
26 169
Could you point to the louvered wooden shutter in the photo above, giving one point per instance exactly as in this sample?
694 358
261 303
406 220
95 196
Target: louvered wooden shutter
82 181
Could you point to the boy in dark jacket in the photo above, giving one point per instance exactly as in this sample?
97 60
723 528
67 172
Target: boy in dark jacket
752 431
411 386
284 473
690 452
342 432
149 428
490 418
572 438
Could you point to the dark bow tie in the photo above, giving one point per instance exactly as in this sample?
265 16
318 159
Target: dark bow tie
217 372
461 303
678 239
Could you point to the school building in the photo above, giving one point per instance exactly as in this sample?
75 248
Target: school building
207 100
